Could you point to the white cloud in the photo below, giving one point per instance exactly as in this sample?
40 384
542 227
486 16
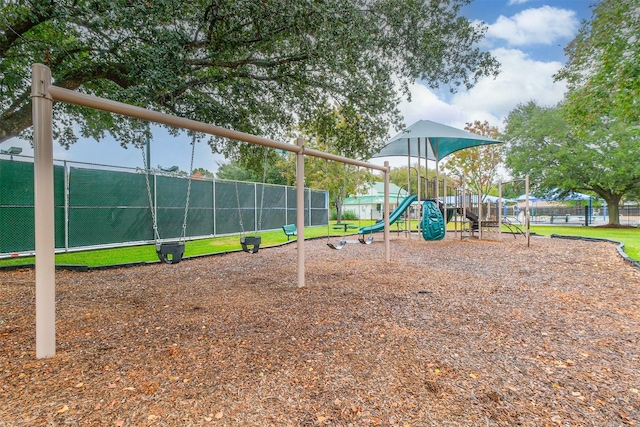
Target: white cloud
516 2
521 79
545 26
426 105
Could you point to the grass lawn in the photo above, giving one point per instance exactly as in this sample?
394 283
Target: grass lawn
629 236
146 253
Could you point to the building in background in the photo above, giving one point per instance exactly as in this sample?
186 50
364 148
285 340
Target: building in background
370 205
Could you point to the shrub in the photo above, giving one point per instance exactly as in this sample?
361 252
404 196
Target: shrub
348 215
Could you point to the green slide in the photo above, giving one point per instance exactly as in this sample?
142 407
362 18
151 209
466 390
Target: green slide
395 215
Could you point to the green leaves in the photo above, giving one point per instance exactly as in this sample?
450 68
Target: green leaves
479 164
604 162
254 66
603 69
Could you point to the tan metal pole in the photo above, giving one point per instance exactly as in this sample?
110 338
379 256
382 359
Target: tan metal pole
335 157
500 210
426 167
419 206
387 234
464 206
444 201
103 104
73 97
527 213
300 209
419 161
437 156
456 192
408 186
44 212
480 214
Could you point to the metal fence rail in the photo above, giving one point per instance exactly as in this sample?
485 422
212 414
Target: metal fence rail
558 214
104 206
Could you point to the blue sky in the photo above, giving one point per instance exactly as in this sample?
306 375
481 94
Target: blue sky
541 28
528 39
526 36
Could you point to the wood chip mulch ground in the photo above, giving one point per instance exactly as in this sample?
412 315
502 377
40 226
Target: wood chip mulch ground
450 333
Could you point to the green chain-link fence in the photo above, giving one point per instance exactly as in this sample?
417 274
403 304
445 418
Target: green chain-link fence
106 207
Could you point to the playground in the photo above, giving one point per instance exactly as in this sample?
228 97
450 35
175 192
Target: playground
398 331
449 333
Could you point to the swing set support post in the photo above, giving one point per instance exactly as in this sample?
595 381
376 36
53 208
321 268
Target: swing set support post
387 245
300 210
42 110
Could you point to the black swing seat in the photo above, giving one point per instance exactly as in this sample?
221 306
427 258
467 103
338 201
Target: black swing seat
170 252
250 244
366 241
341 244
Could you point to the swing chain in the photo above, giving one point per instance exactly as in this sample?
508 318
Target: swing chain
264 180
239 208
153 212
186 205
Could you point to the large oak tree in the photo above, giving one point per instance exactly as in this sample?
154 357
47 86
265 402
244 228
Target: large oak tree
591 141
540 143
603 69
251 65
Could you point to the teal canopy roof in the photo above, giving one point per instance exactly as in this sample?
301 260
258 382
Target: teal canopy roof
440 141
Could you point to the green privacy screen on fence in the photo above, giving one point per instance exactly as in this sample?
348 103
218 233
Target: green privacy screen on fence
111 207
17 223
107 207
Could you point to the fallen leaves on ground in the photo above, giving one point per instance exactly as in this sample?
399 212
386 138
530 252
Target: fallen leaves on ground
456 332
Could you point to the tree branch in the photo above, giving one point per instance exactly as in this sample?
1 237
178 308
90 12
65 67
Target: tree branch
16 30
263 63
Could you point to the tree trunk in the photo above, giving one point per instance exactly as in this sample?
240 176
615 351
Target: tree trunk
613 210
339 210
613 206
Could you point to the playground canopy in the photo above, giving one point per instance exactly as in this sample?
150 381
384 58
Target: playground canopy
439 141
442 141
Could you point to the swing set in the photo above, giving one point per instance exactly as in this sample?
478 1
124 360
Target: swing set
43 95
171 252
